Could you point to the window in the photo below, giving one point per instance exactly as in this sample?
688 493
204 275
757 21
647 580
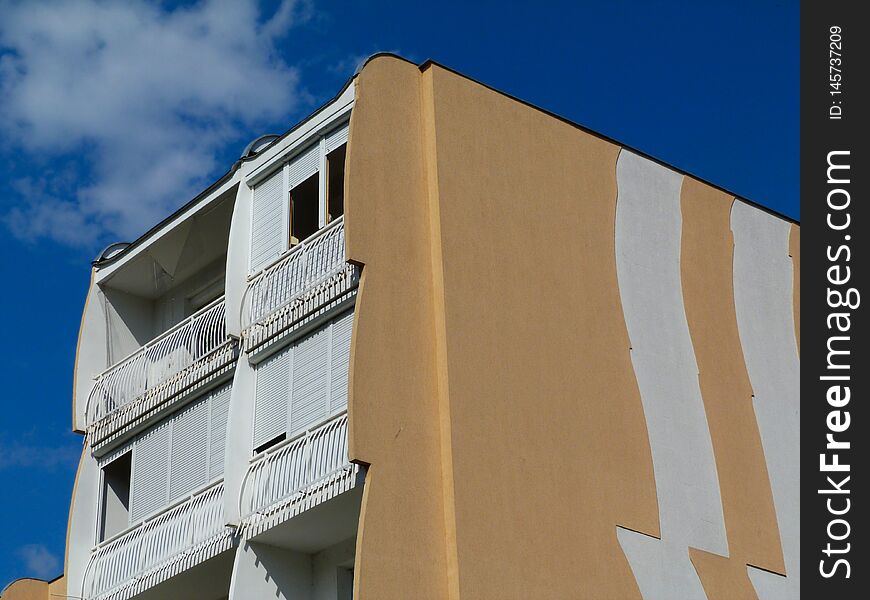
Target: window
173 458
335 182
344 581
304 209
298 197
303 384
269 443
115 508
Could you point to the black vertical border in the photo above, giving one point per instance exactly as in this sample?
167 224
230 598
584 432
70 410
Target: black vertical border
820 135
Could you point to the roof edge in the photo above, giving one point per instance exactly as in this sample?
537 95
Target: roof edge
226 176
423 66
430 62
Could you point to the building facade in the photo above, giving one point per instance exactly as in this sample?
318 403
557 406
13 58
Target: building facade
434 342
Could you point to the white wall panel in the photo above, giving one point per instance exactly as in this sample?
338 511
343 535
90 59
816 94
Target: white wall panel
82 520
648 233
763 303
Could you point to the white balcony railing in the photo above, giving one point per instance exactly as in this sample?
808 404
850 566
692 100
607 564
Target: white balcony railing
309 277
186 533
294 469
176 359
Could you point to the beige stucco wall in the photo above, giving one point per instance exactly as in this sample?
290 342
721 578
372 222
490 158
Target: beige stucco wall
394 415
542 443
35 589
492 389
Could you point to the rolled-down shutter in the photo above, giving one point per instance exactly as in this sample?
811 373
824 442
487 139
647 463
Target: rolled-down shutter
308 402
189 462
220 409
340 361
267 226
304 166
271 396
150 472
304 383
336 138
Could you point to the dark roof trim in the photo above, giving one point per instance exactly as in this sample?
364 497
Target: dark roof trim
766 209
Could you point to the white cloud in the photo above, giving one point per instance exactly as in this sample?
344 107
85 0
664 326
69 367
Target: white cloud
139 99
39 561
351 63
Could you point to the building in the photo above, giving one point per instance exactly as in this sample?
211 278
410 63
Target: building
436 343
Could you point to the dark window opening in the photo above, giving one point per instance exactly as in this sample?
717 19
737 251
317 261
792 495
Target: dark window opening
344 580
204 296
335 182
273 442
305 209
116 496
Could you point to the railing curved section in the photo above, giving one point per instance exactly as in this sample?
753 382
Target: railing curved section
159 361
291 468
163 539
311 264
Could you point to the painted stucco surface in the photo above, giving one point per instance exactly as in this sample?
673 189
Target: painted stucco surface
91 354
82 526
509 250
26 589
263 571
34 589
393 410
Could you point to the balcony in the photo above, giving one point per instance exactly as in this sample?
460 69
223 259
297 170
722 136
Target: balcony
308 280
296 475
191 355
185 534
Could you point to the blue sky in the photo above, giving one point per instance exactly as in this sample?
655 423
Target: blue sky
112 115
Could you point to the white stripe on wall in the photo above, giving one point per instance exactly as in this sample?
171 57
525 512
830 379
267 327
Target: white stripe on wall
648 234
763 302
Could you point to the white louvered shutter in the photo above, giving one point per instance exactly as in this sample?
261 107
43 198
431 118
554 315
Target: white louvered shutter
308 402
271 396
267 226
189 461
336 138
304 166
340 361
220 410
150 472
